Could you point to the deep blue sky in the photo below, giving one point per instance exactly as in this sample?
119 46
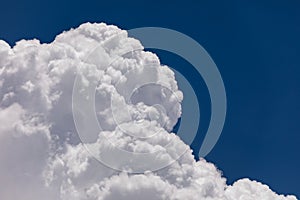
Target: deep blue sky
256 45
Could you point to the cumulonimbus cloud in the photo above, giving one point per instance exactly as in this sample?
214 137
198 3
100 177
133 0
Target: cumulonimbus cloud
41 155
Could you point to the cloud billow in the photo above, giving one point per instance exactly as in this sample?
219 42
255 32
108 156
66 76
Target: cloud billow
43 157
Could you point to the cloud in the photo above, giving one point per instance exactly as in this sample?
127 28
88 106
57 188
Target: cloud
41 154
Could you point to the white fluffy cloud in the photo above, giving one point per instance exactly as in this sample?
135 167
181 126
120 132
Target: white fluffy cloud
41 156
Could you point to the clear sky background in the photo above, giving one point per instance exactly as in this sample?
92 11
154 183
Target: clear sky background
256 46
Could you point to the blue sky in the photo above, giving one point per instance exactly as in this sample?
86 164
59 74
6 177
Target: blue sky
256 46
